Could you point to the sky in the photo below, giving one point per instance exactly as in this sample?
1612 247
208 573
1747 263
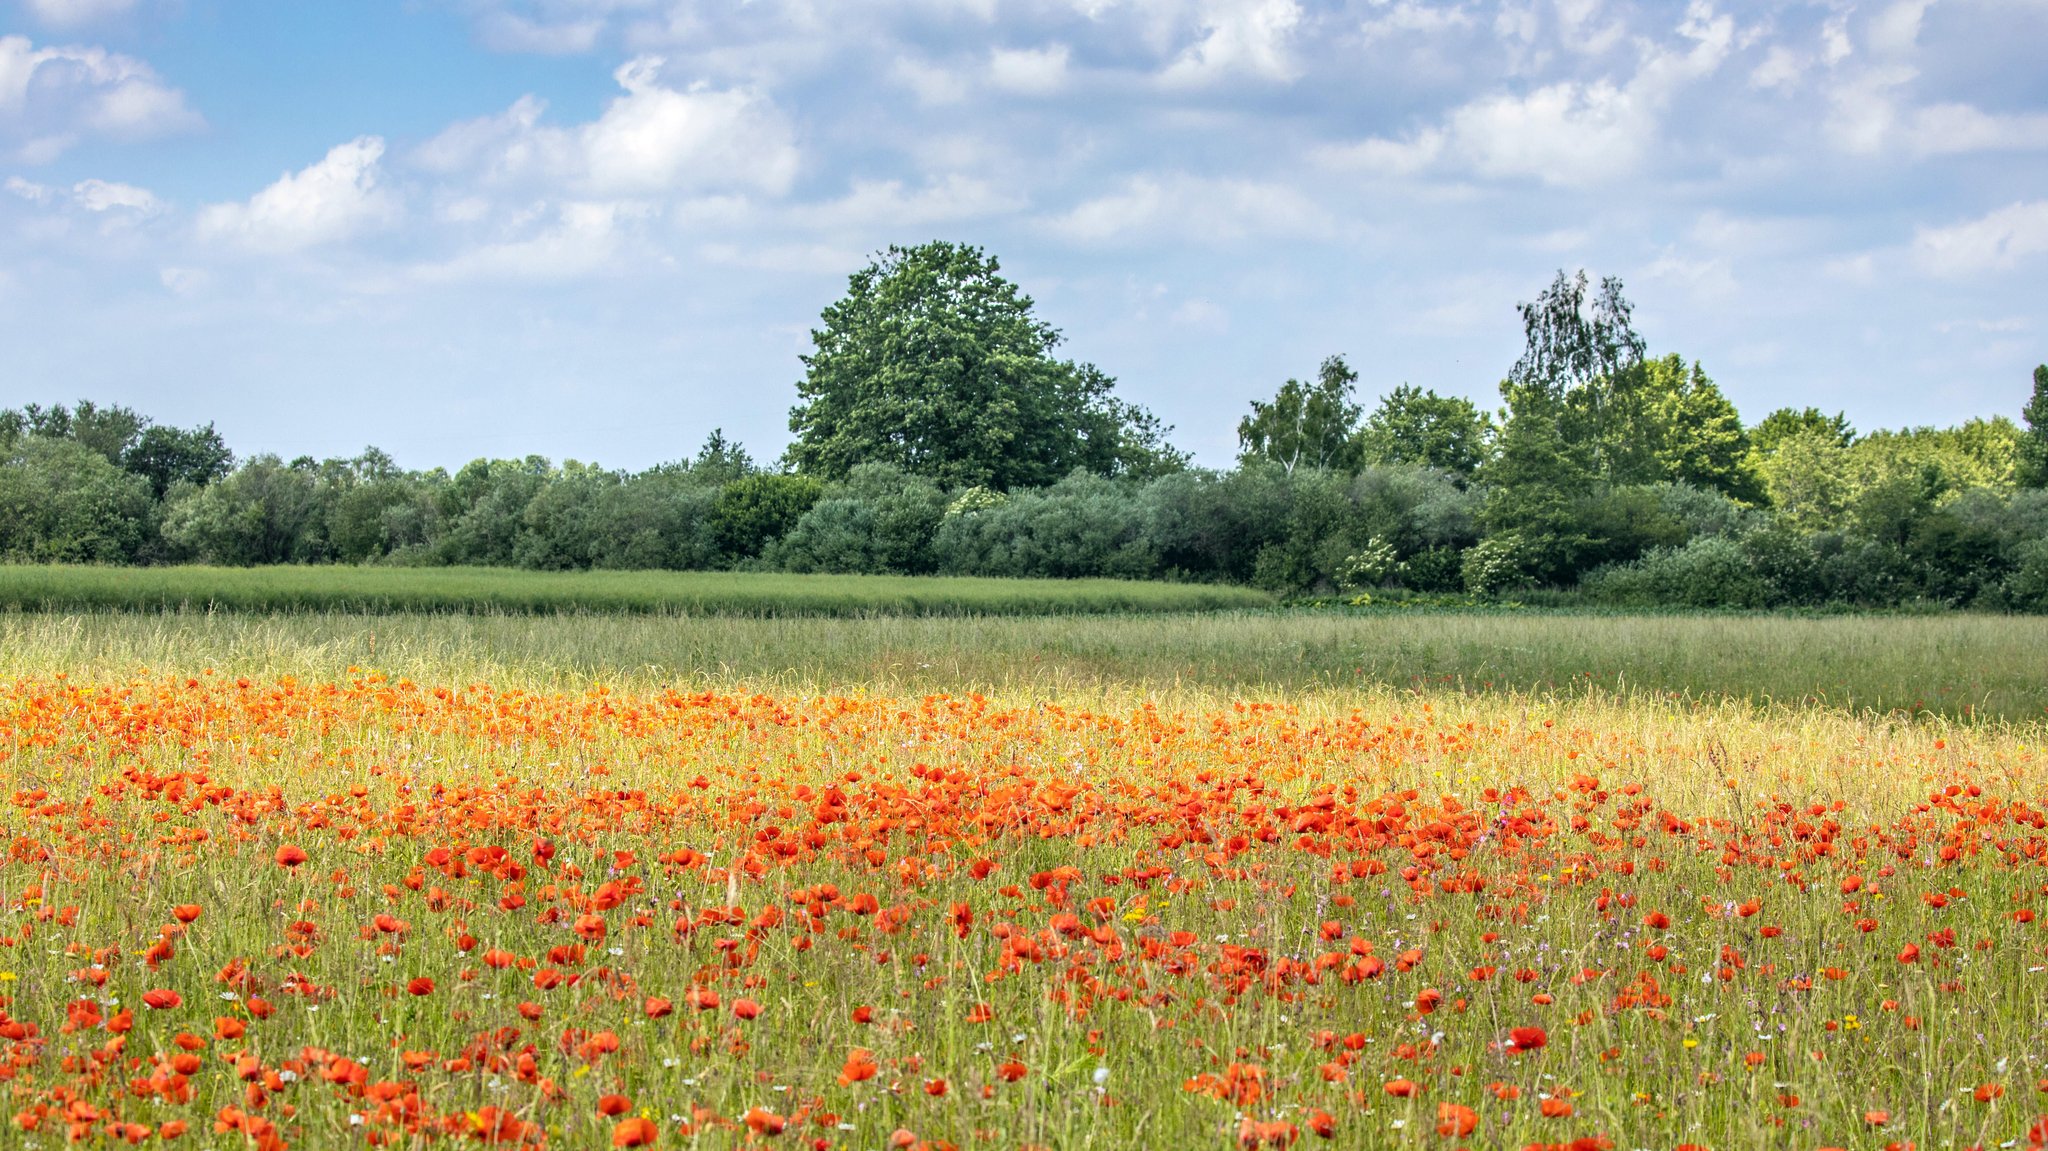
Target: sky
597 229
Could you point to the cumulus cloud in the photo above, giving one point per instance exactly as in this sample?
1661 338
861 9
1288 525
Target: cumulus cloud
107 196
52 97
578 239
1872 108
1569 132
1993 242
872 204
653 140
67 13
93 195
513 32
1029 71
29 190
340 196
1149 208
1240 37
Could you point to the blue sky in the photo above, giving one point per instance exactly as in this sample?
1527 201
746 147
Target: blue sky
599 228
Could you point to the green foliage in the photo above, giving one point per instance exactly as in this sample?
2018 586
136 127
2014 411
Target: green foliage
1709 572
63 501
1305 425
934 363
1784 423
2032 450
1412 426
167 457
267 512
1500 563
1369 567
1617 524
1535 479
753 511
1083 526
879 520
1569 341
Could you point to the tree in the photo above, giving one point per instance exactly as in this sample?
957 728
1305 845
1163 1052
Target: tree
721 460
165 456
1306 425
110 431
1412 426
1570 343
754 511
1784 423
934 362
1694 432
61 501
2033 447
1579 375
1535 480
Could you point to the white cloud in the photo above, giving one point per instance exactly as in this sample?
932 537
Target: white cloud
1412 17
66 13
1896 30
28 190
653 140
1240 37
1707 280
1781 68
512 32
930 83
581 240
52 97
1993 242
1943 129
1192 208
872 204
1568 132
1031 72
336 198
104 196
90 195
1581 29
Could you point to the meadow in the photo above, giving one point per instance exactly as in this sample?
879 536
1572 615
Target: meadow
1962 668
501 591
577 881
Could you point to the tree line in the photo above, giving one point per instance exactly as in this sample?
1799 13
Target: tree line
939 431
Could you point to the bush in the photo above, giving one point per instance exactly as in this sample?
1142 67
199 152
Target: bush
753 511
1499 563
1084 525
1710 572
2026 588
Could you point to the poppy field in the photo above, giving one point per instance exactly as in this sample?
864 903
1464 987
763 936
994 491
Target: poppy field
357 910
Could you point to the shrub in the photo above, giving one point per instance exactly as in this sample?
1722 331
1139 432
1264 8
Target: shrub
1710 572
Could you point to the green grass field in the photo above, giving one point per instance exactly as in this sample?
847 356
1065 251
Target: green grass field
502 591
1960 667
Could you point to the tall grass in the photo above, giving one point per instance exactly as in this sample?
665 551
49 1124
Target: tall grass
59 587
1959 667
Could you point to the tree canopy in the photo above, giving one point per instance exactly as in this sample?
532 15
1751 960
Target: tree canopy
1305 425
935 363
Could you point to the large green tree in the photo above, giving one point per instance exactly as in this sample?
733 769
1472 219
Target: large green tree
1413 426
1306 425
2033 447
935 363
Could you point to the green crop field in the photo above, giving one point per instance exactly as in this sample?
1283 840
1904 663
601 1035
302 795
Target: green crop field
60 587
